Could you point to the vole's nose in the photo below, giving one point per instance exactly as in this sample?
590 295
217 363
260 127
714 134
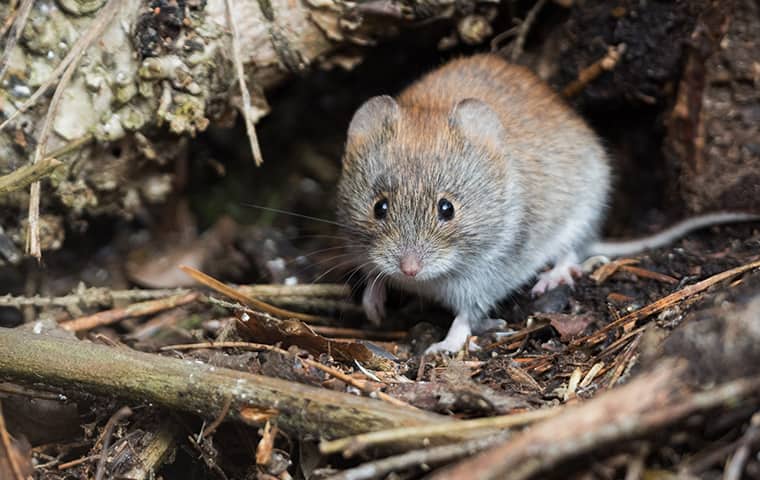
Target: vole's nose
410 264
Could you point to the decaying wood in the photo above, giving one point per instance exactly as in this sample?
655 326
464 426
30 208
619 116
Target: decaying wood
647 403
711 145
195 387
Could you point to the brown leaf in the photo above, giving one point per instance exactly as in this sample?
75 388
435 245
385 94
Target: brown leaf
568 326
262 328
264 448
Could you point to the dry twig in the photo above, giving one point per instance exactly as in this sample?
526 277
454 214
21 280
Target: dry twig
245 94
352 445
135 310
220 287
7 447
22 14
590 73
415 458
24 176
76 54
120 414
524 29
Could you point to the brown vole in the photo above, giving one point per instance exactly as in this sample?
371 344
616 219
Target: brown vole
466 185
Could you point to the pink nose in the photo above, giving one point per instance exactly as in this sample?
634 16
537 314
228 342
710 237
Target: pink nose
410 265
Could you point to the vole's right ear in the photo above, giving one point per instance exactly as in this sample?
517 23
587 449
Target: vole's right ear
376 116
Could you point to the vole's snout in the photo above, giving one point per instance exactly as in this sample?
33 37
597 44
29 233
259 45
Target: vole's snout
410 264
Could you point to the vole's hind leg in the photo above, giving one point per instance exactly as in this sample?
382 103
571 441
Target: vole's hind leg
563 272
373 301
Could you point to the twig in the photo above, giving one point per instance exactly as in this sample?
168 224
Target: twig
237 58
355 333
89 297
78 461
135 310
735 466
193 386
363 386
525 332
321 290
590 73
524 29
8 448
9 19
120 414
22 14
644 273
667 301
24 176
220 287
651 401
76 53
352 445
415 458
218 420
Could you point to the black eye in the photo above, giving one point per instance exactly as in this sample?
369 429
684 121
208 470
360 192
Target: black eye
445 210
381 208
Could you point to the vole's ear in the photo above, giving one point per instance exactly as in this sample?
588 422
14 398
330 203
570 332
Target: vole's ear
477 122
375 116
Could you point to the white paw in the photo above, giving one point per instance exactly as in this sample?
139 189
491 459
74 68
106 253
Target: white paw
445 346
373 302
560 274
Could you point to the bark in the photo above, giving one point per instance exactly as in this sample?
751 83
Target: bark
195 387
712 144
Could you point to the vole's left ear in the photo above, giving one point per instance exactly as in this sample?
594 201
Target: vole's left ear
478 123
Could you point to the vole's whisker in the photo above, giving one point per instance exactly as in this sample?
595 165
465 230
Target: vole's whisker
293 214
341 264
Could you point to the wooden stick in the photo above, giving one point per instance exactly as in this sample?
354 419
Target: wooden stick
351 445
196 387
651 401
220 287
25 175
135 310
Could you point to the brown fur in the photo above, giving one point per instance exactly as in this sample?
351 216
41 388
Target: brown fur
527 177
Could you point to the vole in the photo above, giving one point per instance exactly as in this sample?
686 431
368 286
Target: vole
471 181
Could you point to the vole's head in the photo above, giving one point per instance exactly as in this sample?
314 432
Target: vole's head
423 191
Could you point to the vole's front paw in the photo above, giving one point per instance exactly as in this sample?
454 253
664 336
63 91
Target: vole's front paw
373 302
444 346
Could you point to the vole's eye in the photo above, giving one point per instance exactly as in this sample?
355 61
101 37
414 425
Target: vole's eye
445 210
381 208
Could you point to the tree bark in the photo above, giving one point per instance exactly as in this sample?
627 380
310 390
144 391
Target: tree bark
195 387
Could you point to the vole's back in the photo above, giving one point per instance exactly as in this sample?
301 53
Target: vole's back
563 168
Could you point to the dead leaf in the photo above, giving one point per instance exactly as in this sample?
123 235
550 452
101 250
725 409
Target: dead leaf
608 269
567 325
264 448
262 328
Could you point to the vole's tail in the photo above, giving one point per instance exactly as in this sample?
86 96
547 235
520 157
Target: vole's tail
669 235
